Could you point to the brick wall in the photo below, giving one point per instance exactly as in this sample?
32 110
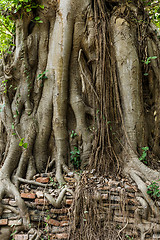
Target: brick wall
120 197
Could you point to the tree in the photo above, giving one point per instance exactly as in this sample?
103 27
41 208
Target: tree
84 78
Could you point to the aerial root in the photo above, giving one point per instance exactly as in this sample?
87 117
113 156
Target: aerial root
10 189
57 203
33 182
36 235
66 170
11 209
142 187
122 229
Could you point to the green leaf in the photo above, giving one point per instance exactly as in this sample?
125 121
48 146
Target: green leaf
149 191
21 142
37 18
41 6
25 145
28 10
154 57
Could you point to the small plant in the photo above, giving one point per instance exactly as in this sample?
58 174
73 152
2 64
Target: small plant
42 76
144 155
75 158
128 237
148 60
153 190
12 235
73 134
37 20
23 144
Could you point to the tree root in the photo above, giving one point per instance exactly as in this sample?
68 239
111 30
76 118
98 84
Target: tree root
57 203
36 235
10 208
66 170
8 188
142 187
122 229
33 182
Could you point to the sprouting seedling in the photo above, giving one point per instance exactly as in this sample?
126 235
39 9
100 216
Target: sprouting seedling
130 238
37 20
75 158
148 60
42 76
48 217
144 154
153 190
23 144
73 134
12 234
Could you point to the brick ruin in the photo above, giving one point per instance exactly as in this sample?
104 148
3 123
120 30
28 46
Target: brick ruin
120 198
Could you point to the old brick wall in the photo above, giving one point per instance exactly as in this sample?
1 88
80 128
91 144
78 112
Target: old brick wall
119 197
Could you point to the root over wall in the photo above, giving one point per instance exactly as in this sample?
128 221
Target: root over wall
120 209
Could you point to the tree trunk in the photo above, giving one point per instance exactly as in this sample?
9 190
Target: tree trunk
77 83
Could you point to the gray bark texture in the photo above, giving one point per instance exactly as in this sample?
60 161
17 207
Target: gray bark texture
76 83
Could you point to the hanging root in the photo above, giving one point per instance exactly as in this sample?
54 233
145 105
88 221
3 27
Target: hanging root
87 218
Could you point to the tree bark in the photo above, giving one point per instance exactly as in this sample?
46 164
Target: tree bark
76 83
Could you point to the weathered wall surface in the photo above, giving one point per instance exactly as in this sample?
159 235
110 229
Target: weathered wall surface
120 198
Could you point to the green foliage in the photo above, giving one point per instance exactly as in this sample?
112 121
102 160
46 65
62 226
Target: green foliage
73 134
37 20
153 7
23 144
144 155
42 76
128 237
12 234
153 190
75 158
7 26
148 60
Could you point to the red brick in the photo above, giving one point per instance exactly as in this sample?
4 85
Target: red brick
41 201
21 237
71 180
42 179
16 222
53 222
64 223
63 218
69 201
28 195
62 235
59 211
3 222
